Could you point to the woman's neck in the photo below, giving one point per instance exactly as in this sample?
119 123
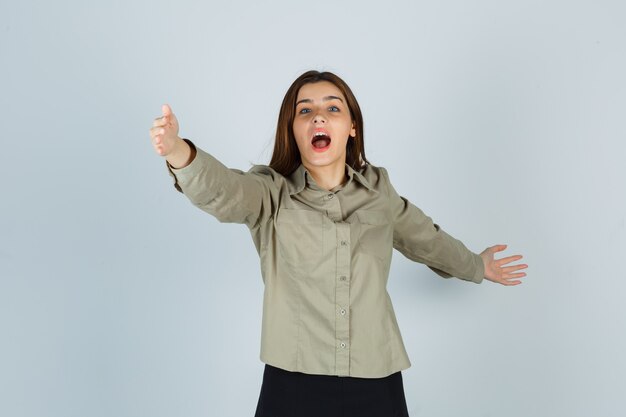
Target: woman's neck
329 176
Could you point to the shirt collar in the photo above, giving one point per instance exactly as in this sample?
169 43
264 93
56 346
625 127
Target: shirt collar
297 180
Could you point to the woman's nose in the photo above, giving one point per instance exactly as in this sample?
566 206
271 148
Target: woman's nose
318 118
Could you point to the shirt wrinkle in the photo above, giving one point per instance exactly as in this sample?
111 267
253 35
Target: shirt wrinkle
325 258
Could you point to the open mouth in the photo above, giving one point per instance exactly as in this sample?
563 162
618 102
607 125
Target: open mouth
320 141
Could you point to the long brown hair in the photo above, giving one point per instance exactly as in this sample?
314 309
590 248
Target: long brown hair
286 156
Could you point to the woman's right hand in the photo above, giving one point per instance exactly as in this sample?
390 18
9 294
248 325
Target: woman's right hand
164 132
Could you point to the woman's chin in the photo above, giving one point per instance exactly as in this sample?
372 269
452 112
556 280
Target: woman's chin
323 159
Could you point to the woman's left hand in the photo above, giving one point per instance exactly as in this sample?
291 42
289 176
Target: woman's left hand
494 270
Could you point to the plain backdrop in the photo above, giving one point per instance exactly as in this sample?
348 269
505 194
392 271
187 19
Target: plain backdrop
502 120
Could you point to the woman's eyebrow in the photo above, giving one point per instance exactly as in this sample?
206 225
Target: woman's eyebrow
308 100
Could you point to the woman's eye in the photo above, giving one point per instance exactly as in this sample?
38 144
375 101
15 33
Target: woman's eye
304 110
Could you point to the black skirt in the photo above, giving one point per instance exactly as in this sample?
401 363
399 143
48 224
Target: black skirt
295 394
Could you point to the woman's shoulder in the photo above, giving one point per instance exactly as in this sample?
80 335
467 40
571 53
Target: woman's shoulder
266 171
371 169
270 175
374 173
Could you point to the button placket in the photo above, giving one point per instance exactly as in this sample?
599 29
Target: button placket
332 207
342 299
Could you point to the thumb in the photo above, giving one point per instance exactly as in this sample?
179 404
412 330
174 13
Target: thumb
498 248
167 111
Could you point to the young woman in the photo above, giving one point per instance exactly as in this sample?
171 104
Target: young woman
324 222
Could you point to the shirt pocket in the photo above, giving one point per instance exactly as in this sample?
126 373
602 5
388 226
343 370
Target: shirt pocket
300 239
375 234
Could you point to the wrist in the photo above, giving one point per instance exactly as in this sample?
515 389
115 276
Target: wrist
181 154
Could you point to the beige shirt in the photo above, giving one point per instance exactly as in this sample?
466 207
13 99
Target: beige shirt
325 258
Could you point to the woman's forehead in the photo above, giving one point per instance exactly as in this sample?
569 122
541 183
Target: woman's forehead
318 91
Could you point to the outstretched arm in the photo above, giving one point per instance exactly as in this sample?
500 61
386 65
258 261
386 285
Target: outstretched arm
494 270
229 194
417 237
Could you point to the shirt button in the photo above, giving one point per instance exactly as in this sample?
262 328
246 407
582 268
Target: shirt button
342 278
343 345
343 312
330 196
344 243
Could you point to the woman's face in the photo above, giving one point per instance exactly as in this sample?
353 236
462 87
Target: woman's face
322 125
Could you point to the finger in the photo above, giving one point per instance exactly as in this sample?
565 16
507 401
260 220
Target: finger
516 275
498 248
513 268
508 259
157 140
158 144
159 121
156 131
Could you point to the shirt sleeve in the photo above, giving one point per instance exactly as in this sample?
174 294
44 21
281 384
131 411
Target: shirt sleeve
419 239
229 194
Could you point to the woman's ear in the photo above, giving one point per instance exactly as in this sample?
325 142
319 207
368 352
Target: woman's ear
353 131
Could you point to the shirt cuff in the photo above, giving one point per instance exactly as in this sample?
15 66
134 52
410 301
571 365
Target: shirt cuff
480 269
478 276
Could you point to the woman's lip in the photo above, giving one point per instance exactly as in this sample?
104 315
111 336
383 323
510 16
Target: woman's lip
325 132
318 130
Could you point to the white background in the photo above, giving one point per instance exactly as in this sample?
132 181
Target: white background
502 120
